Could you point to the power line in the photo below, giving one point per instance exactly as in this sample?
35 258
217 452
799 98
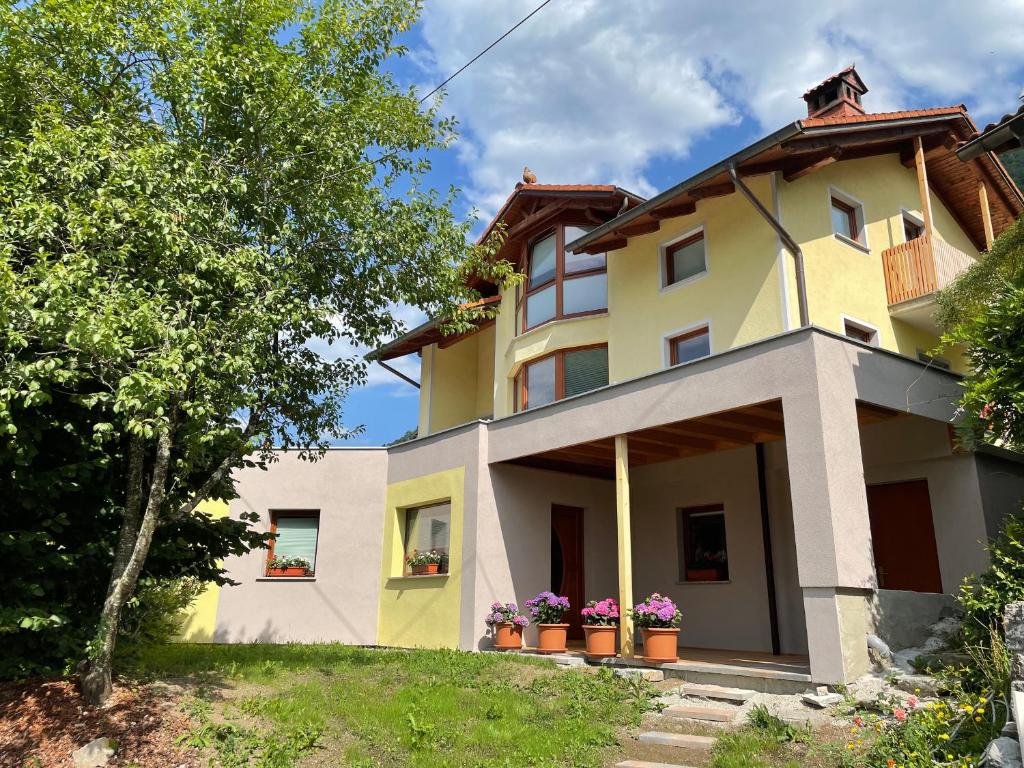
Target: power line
469 63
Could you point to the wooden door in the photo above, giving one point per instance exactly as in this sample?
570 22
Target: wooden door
567 562
903 537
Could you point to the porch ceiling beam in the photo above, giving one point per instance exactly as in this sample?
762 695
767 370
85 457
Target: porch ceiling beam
673 435
714 434
657 447
759 423
623 528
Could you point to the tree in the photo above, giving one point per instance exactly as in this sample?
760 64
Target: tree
190 192
984 311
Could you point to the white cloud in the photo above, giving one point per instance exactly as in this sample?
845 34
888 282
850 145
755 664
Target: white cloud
596 90
376 376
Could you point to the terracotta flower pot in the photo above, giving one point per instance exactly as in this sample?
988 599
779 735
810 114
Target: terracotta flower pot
661 644
425 568
600 641
286 571
551 638
508 637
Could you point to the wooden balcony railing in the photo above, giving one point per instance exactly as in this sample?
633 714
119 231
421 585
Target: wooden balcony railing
921 267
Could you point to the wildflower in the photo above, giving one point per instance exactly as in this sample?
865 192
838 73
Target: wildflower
899 713
858 721
977 718
890 762
944 736
913 701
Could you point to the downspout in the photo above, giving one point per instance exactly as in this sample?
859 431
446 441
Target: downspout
789 242
398 373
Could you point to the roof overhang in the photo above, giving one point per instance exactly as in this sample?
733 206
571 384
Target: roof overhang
1003 136
807 145
430 332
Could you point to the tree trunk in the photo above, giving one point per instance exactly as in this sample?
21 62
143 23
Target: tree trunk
96 682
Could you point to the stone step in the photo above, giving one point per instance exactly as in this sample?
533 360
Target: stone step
646 764
678 740
716 692
714 714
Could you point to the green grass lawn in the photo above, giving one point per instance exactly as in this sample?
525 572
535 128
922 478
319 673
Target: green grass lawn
311 705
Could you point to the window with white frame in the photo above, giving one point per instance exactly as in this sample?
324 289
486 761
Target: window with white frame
847 218
685 258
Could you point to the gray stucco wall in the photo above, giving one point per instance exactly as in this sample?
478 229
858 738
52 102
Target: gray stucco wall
340 603
1001 479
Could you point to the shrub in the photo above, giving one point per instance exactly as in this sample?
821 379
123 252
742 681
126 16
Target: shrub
155 613
984 597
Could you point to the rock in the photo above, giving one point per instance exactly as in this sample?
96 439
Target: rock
821 701
821 690
1013 625
1003 752
650 675
921 685
95 754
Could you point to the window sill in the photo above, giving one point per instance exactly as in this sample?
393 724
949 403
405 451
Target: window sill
695 581
286 578
852 243
419 576
555 320
682 283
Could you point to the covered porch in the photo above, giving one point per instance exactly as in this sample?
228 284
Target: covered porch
781 480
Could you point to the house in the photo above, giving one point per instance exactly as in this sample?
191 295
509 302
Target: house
728 394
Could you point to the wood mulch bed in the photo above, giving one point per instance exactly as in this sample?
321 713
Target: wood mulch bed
43 721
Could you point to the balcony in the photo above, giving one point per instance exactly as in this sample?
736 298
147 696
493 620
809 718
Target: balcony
914 271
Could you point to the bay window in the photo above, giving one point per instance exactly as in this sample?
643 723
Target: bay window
561 374
560 283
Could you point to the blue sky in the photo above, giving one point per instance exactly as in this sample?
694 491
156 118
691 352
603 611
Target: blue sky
646 93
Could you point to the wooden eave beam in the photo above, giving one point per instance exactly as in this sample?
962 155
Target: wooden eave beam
935 146
803 169
671 211
815 143
600 246
712 190
642 228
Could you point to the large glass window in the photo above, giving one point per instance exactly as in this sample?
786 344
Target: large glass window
294 546
559 375
561 283
703 555
428 534
685 259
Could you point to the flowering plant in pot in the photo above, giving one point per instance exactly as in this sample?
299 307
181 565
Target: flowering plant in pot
600 623
547 609
421 563
288 566
658 619
507 623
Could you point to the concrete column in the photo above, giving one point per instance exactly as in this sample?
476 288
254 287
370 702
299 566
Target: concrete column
830 518
625 543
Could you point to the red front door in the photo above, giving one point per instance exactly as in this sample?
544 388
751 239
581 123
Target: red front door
903 537
567 562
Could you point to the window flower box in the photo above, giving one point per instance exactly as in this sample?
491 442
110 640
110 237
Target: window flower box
288 567
703 574
425 563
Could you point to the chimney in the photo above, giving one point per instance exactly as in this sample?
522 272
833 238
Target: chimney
838 95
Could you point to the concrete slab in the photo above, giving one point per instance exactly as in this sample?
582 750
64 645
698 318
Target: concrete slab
646 764
678 740
716 692
711 714
650 675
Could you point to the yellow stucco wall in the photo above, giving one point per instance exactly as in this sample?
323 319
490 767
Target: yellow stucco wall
201 617
844 279
421 611
747 294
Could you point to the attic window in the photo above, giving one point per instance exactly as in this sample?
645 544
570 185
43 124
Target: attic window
561 283
847 217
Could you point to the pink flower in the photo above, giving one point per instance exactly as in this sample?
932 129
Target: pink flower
913 701
858 721
899 713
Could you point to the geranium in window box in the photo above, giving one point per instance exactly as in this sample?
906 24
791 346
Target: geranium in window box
289 566
547 609
702 574
507 624
600 623
658 619
424 563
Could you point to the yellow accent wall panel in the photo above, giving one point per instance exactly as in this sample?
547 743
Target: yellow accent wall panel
201 617
455 382
421 611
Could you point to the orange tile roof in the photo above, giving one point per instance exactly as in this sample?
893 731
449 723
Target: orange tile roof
871 117
1004 119
555 188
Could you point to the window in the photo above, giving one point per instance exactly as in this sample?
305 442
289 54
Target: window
559 375
935 361
860 332
702 551
912 227
688 346
296 537
844 220
561 283
685 259
428 529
